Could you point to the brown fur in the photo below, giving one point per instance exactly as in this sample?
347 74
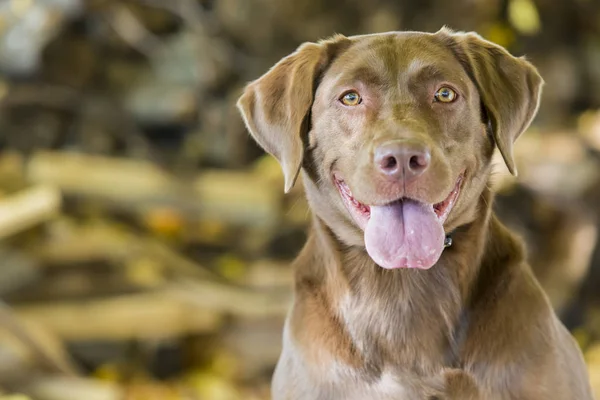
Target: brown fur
476 325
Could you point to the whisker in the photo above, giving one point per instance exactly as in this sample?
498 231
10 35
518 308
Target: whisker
484 200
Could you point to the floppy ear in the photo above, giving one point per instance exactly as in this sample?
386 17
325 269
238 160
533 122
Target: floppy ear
276 107
509 87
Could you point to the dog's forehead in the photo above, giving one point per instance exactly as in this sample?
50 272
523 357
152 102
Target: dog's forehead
381 58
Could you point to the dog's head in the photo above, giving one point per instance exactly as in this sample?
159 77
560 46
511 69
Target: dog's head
395 132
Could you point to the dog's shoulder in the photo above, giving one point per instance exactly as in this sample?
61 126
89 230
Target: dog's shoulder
513 334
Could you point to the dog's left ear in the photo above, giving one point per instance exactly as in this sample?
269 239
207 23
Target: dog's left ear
276 106
510 87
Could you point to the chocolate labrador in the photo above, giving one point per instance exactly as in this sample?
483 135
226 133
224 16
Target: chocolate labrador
408 286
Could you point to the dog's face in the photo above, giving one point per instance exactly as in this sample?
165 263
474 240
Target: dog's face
395 132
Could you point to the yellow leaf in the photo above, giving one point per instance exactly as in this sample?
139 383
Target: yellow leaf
588 124
151 391
231 267
211 231
268 169
592 355
582 337
225 364
594 373
107 373
499 33
524 16
209 386
145 272
164 221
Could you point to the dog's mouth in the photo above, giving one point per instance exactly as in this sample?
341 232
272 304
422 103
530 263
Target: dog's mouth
405 232
441 209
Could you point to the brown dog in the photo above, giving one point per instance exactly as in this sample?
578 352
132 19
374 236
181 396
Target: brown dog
394 134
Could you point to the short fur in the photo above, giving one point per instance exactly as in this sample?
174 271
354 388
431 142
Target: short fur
476 325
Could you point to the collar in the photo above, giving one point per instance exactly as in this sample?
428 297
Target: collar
448 240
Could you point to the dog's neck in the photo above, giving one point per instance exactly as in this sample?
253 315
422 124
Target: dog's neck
393 317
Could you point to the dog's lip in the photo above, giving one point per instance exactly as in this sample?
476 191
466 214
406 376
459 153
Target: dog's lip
441 209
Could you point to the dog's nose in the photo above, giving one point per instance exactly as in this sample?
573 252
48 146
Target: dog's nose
402 158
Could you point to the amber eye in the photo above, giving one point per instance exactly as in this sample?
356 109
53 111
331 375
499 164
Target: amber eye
351 99
445 95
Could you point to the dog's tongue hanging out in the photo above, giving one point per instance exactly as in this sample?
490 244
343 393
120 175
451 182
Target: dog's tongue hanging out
404 234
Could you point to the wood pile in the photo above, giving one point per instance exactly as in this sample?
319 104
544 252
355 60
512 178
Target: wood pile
145 239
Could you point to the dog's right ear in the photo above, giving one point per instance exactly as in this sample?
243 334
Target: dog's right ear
510 87
276 107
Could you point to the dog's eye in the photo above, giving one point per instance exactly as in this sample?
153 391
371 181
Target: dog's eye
351 99
445 95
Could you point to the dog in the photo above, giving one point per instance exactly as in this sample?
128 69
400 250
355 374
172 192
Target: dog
408 286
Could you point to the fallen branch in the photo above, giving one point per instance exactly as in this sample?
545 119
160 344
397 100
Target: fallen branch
59 388
233 300
28 208
44 347
184 307
140 316
238 198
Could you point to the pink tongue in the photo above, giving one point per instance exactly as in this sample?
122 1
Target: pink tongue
404 234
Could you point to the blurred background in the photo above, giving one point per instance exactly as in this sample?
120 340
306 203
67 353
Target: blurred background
145 239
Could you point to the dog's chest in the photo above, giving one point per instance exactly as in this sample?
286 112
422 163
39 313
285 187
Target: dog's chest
347 385
394 333
386 387
297 378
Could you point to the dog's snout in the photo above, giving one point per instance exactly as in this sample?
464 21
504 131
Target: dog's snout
402 159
